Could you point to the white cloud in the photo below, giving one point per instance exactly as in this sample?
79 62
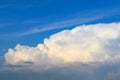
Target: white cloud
87 43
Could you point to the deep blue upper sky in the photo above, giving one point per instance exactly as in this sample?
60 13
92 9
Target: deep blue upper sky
28 22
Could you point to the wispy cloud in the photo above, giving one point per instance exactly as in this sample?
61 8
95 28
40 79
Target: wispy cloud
62 24
24 4
80 18
73 20
5 5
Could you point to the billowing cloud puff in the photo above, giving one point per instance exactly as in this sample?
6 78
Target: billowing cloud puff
84 44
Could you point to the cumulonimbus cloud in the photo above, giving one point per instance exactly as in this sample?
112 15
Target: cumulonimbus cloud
86 43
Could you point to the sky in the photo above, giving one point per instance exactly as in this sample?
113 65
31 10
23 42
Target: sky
59 39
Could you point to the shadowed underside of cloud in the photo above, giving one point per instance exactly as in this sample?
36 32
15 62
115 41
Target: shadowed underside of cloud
87 52
76 71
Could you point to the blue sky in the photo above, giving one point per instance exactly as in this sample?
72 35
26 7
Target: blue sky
32 46
29 22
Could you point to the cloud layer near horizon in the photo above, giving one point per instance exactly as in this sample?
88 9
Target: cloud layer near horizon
84 44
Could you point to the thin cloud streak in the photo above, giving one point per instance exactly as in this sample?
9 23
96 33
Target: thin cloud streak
72 22
63 24
5 5
25 4
81 18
